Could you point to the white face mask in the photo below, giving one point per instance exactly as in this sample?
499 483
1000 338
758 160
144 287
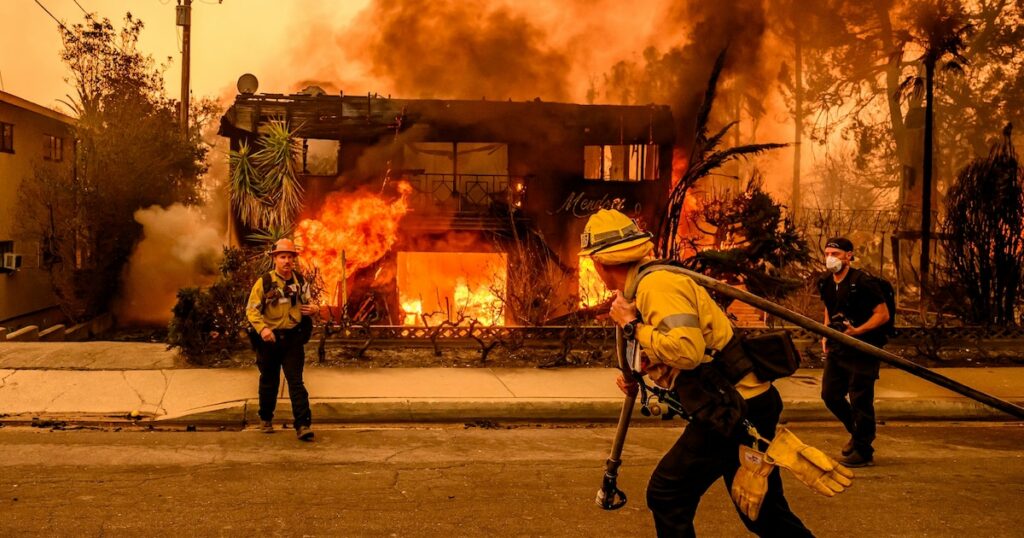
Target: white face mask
833 264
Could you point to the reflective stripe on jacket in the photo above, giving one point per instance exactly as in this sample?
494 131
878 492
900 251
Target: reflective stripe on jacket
680 323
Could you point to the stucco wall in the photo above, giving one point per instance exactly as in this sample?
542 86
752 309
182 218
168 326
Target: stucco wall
27 290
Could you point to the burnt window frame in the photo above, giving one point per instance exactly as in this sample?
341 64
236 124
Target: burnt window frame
6 137
648 152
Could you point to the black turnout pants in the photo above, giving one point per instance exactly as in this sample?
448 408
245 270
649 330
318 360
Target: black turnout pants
858 413
699 458
285 354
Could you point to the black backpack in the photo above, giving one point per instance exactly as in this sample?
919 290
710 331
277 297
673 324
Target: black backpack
888 294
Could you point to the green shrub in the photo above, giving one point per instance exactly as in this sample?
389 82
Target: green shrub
210 323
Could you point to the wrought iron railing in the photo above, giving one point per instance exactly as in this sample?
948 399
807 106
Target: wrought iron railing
463 193
554 334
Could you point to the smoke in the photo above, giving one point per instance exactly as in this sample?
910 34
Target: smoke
613 52
448 49
179 248
458 49
600 51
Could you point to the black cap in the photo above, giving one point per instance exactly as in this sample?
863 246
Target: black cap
841 243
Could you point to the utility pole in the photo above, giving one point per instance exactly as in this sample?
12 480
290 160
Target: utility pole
184 19
798 97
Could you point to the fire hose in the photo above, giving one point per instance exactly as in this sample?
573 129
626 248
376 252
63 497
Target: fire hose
885 356
609 497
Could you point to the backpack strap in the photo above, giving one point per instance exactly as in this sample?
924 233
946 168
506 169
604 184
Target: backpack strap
268 285
657 265
268 282
678 320
855 276
731 361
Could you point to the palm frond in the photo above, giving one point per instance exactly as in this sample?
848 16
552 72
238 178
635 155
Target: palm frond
713 142
953 67
719 158
911 87
269 236
276 158
704 112
248 197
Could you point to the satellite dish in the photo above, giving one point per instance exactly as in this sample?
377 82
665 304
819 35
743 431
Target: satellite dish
248 84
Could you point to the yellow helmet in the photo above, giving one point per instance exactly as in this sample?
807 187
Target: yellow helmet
609 230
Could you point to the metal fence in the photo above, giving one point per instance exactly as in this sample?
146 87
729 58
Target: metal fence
464 193
554 334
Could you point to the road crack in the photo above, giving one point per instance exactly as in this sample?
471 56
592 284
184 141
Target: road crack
167 384
3 380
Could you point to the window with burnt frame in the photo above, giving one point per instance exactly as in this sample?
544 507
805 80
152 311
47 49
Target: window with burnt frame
53 148
630 162
6 137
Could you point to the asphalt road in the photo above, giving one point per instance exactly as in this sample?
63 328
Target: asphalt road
930 480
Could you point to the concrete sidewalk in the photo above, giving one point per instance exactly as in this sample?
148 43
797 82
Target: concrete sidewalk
359 395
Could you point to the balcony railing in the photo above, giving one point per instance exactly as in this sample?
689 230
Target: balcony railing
459 193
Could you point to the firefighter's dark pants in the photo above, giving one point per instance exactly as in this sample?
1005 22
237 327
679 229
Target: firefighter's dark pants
858 414
271 357
699 458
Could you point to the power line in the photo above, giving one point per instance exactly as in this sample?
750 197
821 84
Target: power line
87 14
55 19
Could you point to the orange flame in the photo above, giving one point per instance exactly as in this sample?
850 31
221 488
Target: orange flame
592 289
679 164
363 225
412 309
455 286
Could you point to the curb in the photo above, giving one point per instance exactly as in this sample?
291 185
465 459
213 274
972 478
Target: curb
455 411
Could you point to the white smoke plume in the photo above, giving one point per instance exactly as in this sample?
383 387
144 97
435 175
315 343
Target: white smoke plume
180 247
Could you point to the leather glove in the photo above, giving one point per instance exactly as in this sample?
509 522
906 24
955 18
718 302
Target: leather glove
751 481
810 465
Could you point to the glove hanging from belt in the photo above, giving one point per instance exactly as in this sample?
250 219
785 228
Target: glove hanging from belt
810 465
750 484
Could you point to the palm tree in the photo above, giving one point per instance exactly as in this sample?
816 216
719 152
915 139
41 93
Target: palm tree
265 190
941 29
704 158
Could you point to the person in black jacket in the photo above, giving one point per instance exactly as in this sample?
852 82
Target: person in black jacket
855 305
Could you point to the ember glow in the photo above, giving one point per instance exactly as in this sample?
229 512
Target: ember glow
452 286
592 289
363 225
679 163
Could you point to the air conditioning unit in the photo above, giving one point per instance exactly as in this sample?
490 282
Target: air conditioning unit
12 261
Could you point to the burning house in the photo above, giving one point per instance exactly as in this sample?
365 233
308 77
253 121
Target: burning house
467 209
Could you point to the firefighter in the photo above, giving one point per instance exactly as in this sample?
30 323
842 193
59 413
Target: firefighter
281 319
680 327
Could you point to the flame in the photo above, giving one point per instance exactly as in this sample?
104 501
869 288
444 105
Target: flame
481 304
412 309
363 225
592 289
679 164
454 286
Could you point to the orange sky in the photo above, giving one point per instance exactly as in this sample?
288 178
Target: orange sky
260 30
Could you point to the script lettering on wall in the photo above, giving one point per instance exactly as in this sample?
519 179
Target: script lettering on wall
580 205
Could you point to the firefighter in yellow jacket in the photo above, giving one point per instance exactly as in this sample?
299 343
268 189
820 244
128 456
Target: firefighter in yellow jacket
679 327
279 313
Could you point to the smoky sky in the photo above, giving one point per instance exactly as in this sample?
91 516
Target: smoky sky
461 49
474 49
